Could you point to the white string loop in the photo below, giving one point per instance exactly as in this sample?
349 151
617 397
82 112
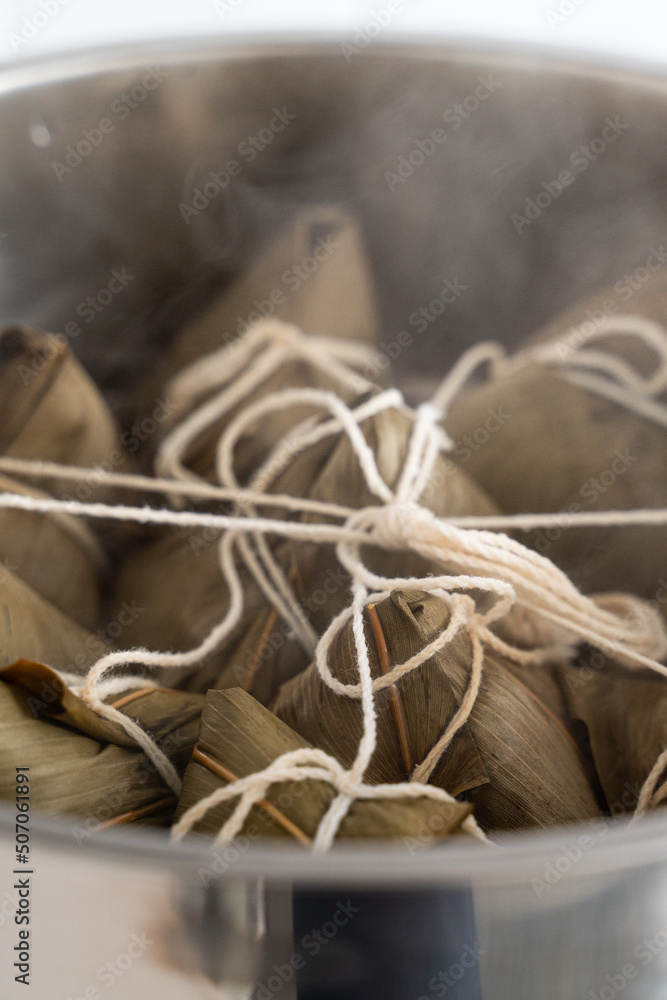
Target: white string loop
477 565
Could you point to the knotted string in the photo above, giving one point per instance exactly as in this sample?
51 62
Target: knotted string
471 559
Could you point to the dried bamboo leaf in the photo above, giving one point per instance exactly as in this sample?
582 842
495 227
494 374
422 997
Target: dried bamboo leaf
539 776
23 384
83 765
625 714
180 618
56 554
561 448
573 326
49 697
239 737
336 299
524 629
426 698
32 628
51 409
545 683
161 711
264 435
535 774
89 781
450 492
265 657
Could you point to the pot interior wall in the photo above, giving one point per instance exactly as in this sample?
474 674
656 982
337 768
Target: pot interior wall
95 180
91 185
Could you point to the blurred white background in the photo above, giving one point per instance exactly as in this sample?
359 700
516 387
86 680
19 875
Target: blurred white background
29 28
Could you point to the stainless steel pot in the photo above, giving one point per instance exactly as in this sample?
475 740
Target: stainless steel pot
98 153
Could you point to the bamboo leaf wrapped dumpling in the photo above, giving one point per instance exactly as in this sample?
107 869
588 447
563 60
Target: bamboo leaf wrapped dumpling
562 448
326 471
624 712
178 618
265 657
181 619
270 367
517 762
334 297
85 766
239 737
450 492
55 553
32 628
411 713
51 409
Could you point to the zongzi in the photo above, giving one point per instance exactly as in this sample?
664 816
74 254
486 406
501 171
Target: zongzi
564 448
238 737
513 756
86 766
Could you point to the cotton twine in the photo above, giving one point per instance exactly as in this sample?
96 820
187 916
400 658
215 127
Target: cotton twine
472 556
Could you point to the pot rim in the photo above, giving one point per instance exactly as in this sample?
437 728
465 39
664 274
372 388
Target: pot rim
75 64
616 845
